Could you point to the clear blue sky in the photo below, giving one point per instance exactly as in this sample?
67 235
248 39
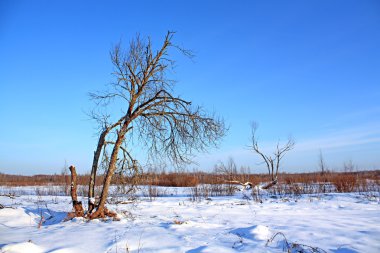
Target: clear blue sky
310 69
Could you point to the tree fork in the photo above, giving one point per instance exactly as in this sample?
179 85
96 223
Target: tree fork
101 211
169 126
91 188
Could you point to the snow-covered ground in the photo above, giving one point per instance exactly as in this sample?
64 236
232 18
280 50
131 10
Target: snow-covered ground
328 223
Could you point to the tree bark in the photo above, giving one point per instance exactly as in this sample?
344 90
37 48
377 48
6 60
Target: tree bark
77 205
101 210
91 187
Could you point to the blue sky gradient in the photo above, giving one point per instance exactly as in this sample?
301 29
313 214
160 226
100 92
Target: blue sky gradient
310 69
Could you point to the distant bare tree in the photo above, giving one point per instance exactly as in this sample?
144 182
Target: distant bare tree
229 172
65 174
322 163
349 166
272 161
164 125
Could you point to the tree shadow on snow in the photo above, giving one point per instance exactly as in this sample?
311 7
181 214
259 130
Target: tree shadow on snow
197 250
245 232
50 217
344 250
250 236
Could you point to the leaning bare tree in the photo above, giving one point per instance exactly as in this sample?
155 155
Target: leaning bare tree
151 116
322 163
271 161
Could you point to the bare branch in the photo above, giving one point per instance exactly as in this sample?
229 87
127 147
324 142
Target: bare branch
167 126
272 162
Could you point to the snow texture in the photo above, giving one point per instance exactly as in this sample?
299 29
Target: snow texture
340 223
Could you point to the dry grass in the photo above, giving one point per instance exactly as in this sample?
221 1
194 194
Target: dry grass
39 180
293 246
289 183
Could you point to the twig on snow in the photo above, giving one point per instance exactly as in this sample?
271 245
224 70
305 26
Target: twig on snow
298 247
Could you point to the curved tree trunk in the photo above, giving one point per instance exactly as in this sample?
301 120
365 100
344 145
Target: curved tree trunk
101 210
169 125
91 187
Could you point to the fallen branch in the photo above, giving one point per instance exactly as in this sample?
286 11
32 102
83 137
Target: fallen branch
249 185
269 185
2 207
9 195
124 202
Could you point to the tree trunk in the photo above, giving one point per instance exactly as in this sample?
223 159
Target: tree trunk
77 205
91 187
101 210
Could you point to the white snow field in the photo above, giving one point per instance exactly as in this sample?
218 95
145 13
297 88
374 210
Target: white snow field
343 223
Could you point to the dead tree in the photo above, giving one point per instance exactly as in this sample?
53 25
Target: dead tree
77 205
322 163
228 171
272 161
95 163
164 125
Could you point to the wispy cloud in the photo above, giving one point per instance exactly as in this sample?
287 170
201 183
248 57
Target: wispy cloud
354 118
306 150
341 139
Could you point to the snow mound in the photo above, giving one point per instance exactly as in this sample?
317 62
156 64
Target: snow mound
17 217
256 233
68 250
260 232
22 248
